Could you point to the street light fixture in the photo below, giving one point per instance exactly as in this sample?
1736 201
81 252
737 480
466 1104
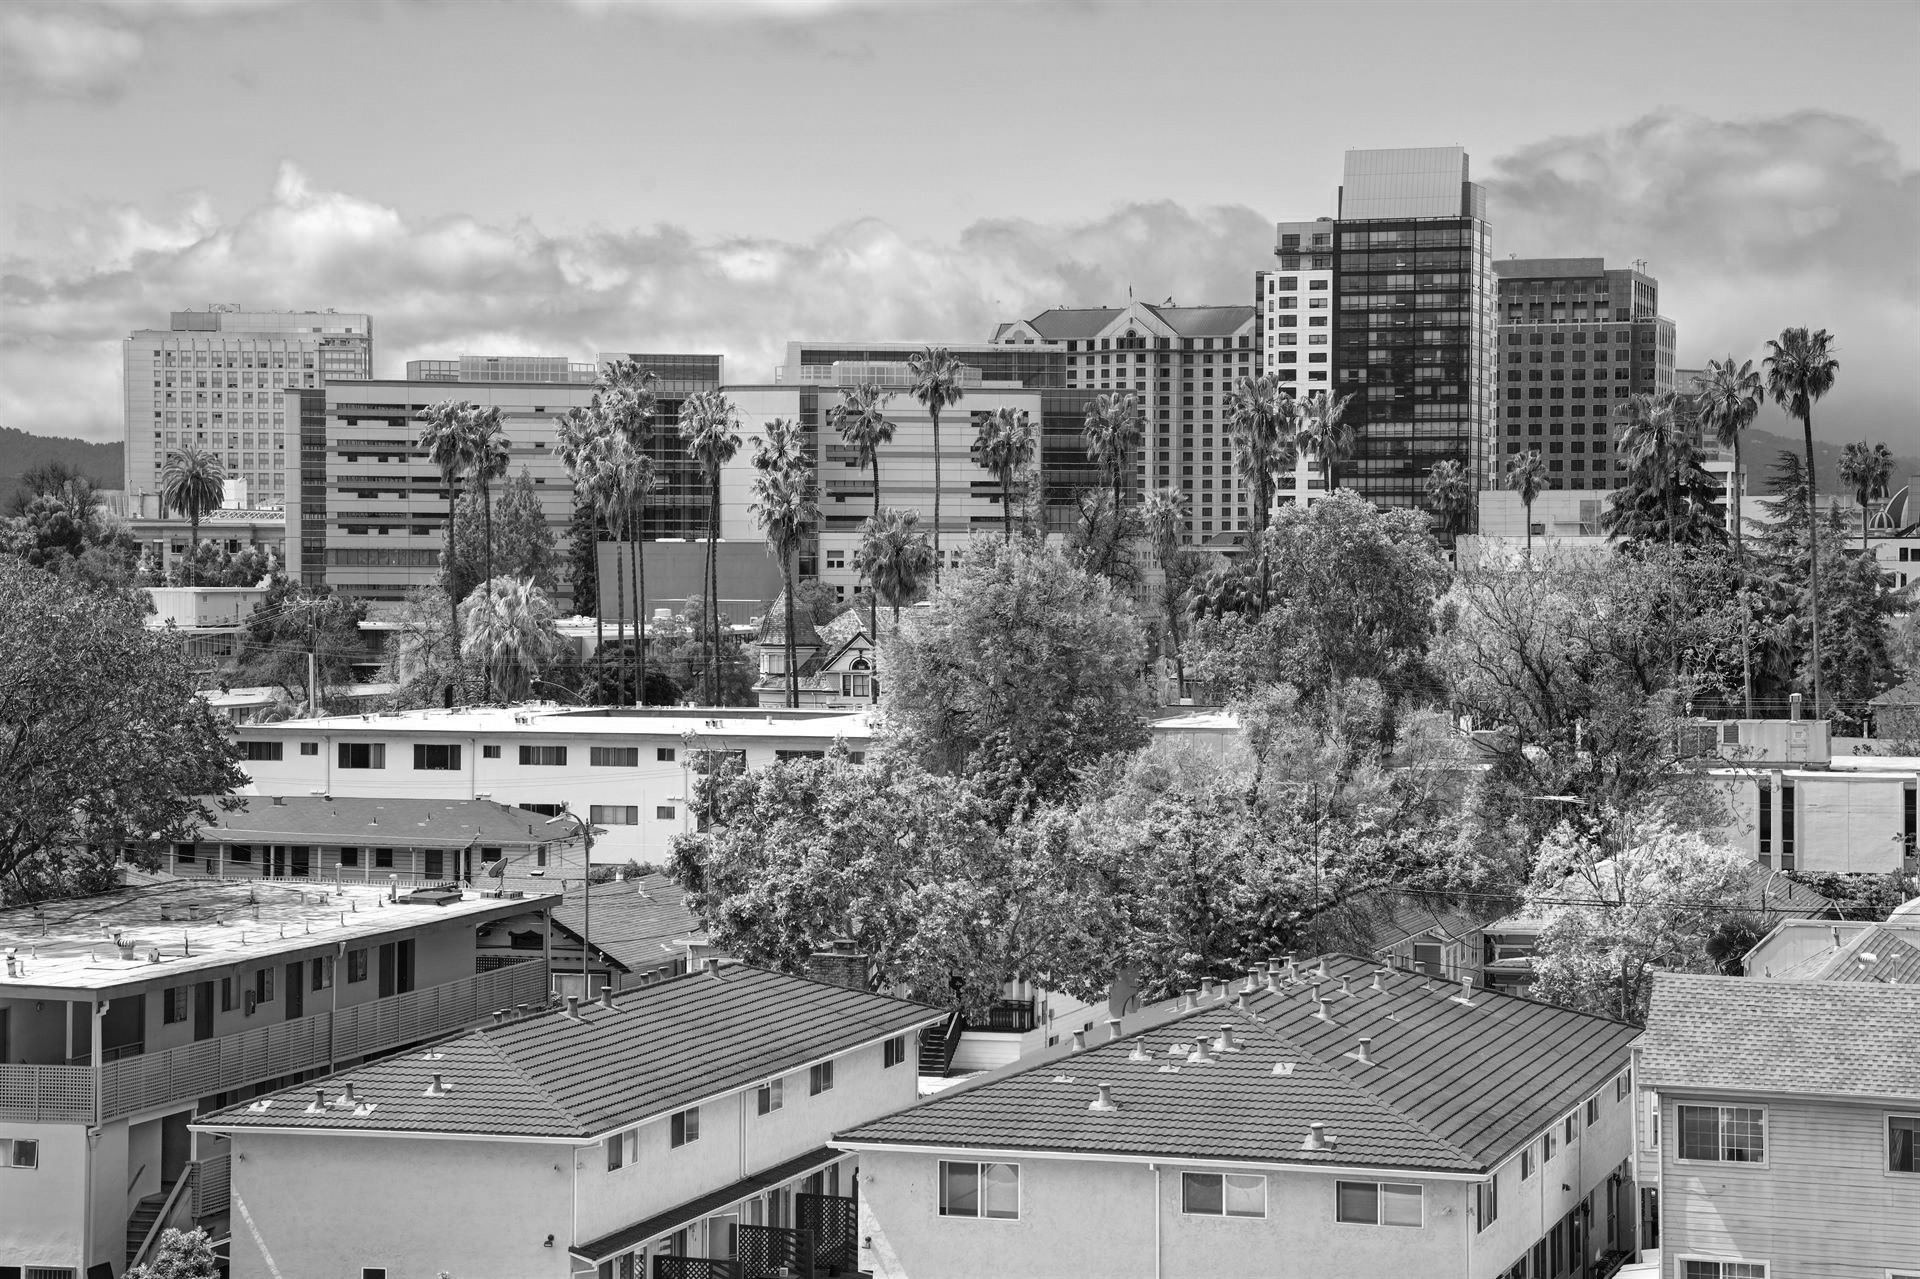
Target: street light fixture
586 896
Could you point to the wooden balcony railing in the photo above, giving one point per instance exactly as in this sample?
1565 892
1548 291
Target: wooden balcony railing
192 1071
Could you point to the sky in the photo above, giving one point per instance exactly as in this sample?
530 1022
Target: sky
575 176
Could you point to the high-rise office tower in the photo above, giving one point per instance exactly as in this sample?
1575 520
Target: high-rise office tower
218 378
1576 339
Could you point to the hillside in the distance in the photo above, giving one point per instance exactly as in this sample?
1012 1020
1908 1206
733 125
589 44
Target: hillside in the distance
20 452
1759 448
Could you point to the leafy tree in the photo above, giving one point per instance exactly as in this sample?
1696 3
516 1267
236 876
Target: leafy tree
1450 493
1655 903
785 508
1728 399
293 621
180 1254
1668 495
1005 445
1325 432
509 635
522 541
104 743
1801 369
1024 669
937 384
1867 468
1527 476
710 425
69 483
422 659
1351 597
212 565
192 482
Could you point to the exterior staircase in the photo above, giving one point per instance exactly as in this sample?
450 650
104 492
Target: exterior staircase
141 1220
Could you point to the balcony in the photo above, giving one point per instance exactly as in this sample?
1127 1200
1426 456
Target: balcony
150 1081
1014 1016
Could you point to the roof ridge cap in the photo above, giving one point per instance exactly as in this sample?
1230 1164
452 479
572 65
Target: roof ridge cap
540 1090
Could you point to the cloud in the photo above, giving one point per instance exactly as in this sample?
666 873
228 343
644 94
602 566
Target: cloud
1750 226
80 280
66 51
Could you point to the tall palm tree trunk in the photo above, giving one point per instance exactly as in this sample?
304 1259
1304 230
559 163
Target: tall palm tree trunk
486 558
934 411
599 620
639 613
1529 506
1006 505
1740 567
619 621
873 601
193 545
793 674
1813 550
453 599
713 594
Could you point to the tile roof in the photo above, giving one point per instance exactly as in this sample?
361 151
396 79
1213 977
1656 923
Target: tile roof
685 1214
415 823
1448 1088
634 921
1751 1034
661 1048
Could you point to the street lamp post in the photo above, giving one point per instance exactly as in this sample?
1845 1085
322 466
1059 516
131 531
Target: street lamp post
586 897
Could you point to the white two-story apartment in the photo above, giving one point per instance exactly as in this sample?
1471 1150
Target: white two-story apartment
687 1118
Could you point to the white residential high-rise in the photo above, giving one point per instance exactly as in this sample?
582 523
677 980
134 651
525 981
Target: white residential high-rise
218 378
1293 308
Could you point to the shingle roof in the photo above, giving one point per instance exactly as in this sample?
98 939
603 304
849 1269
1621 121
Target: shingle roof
1749 1034
632 929
1449 1088
662 1048
1204 321
342 819
1062 323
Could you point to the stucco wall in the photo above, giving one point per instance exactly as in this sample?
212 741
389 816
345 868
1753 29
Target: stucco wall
41 1209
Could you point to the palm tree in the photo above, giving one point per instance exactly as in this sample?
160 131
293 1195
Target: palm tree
1728 398
1112 433
449 446
1325 432
1165 516
895 555
510 634
492 453
861 419
784 504
608 472
580 430
1800 370
193 482
1658 437
627 402
1005 445
1449 491
1527 476
1261 418
710 424
936 384
1867 468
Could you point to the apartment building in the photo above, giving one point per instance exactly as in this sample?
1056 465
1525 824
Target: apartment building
1576 339
1413 316
126 1015
1294 309
634 773
1779 1122
687 1119
1373 1121
1182 362
217 379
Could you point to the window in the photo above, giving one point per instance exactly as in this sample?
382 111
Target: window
323 972
1212 1194
383 859
263 986
623 1148
1786 828
489 752
1547 1146
773 1095
373 1272
226 994
614 756
1623 1085
1766 824
1723 1134
349 857
664 754
19 1152
664 812
550 756
1573 1127
356 965
1486 1203
1593 1110
819 1079
1527 1164
980 1190
438 756
261 750
363 755
614 814
1377 1203
1903 1134
309 748
685 1127
894 1051
175 1006
1694 1268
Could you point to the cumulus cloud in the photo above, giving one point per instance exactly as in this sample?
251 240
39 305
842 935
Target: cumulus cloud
80 280
65 51
1750 226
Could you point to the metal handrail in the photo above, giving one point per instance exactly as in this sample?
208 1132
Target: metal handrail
135 1180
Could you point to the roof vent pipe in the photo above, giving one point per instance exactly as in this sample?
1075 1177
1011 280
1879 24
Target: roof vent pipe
1139 1052
713 965
1199 1053
1113 1029
1379 979
573 1007
1103 1099
320 1099
1360 1054
606 996
347 1098
1320 1012
1226 1044
1465 997
438 1088
1346 987
1316 1137
1079 1041
499 1015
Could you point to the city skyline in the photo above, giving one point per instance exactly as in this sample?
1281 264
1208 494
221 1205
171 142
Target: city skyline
1772 200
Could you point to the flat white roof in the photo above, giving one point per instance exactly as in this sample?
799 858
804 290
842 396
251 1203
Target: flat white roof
550 719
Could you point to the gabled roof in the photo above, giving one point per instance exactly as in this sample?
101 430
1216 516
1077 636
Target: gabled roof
1066 323
1882 952
661 1048
411 823
1062 323
1749 1034
1204 321
635 921
773 626
1450 1088
1388 916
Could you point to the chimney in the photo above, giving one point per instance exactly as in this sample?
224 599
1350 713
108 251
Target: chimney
1079 1041
1113 1029
1346 987
1206 988
319 1099
1103 1099
1379 979
1360 1054
839 965
1293 969
347 1098
712 965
